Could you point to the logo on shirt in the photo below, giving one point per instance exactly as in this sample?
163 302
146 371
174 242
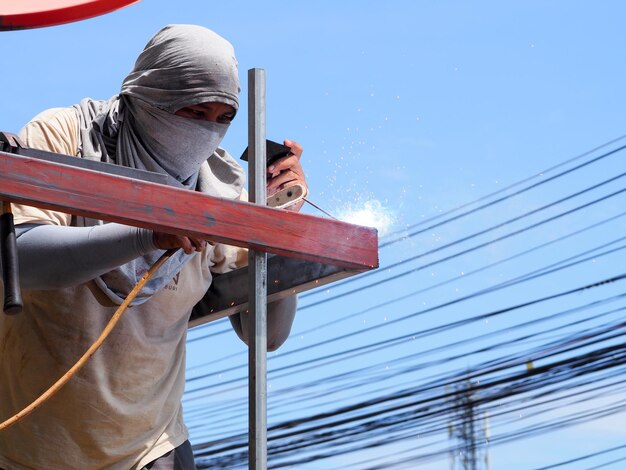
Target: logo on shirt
174 284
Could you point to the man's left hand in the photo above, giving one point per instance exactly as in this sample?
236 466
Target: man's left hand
287 172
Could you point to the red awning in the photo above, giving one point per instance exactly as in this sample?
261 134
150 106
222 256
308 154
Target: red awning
23 14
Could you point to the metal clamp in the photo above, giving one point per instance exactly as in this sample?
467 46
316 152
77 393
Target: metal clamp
8 254
8 243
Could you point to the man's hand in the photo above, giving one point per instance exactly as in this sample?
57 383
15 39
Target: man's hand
167 241
287 172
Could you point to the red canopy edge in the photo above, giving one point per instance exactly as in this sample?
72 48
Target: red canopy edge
25 15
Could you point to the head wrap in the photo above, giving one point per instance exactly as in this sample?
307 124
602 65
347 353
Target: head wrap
181 65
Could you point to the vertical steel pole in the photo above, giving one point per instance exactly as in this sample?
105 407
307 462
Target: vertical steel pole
257 290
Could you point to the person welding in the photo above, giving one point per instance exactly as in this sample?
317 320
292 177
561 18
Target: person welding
123 409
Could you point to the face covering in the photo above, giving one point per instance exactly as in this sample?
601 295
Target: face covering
182 65
173 144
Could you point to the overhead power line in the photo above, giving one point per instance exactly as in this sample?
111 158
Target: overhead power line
541 174
461 253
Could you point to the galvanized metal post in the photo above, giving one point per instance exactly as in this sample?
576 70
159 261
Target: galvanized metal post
257 290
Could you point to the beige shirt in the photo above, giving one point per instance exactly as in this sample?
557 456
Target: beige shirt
123 409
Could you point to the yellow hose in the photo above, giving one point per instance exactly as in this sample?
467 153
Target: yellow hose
93 348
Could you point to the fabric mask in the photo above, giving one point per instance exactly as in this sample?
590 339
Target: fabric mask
176 144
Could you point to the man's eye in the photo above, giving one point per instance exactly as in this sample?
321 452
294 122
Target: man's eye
198 114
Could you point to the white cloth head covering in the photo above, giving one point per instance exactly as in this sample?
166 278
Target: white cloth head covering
181 65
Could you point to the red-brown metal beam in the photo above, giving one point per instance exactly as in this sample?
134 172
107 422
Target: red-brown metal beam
159 207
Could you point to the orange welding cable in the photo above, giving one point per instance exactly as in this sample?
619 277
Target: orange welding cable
93 348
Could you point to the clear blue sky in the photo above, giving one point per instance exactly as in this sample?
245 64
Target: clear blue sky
417 107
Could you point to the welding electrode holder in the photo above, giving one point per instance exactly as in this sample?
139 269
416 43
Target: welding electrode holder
8 253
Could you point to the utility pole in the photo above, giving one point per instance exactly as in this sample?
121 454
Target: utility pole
470 440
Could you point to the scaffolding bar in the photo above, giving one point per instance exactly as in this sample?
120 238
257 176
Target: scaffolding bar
257 272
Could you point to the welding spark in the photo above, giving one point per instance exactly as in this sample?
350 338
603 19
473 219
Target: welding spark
371 214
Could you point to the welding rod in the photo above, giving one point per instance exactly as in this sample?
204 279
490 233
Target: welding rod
8 254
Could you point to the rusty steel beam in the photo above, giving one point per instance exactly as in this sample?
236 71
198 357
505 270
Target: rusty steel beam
159 207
